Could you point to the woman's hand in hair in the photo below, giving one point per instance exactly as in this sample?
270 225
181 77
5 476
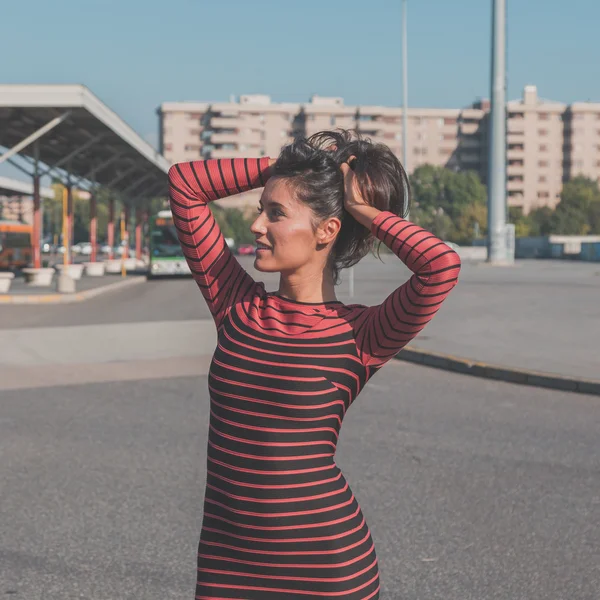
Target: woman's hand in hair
354 202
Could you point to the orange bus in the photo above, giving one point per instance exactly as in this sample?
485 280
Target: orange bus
15 245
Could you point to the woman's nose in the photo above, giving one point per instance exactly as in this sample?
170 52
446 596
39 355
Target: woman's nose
258 226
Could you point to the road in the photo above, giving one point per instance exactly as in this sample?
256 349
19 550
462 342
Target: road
473 489
539 315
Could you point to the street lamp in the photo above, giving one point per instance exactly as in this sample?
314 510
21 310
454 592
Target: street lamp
497 246
405 95
404 86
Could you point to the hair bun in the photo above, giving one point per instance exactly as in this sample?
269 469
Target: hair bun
313 168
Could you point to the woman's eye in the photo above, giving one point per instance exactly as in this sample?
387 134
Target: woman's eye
259 209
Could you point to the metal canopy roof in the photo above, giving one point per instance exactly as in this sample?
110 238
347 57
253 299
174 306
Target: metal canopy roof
83 137
14 187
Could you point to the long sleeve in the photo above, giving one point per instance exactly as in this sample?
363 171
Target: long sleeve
382 331
221 279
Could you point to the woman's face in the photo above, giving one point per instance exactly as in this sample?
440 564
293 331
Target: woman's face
286 238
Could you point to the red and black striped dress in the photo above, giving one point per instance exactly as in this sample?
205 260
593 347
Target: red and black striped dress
280 521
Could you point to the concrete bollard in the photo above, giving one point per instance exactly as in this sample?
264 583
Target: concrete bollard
65 284
38 277
94 269
5 281
75 270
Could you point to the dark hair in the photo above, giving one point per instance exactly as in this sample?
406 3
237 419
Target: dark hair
313 168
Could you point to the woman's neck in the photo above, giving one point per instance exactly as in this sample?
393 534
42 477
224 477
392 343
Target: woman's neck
307 289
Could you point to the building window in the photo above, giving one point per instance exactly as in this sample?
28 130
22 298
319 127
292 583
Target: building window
542 179
543 163
543 147
543 194
543 116
449 121
542 132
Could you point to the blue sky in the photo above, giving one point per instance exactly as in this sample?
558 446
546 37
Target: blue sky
135 55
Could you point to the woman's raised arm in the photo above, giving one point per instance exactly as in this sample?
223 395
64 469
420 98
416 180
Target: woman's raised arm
221 279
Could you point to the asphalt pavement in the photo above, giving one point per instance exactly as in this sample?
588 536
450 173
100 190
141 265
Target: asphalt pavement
538 315
473 489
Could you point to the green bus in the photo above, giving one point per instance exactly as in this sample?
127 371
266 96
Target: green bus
166 255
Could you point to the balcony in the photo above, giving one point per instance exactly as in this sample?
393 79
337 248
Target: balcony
515 138
225 138
379 126
236 123
515 167
515 185
516 126
233 153
516 151
469 128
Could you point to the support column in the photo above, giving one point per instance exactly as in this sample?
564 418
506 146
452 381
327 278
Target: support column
110 233
93 227
37 223
125 231
138 234
70 219
146 230
67 229
37 213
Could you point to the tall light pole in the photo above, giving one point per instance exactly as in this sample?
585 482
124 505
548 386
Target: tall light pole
404 87
497 247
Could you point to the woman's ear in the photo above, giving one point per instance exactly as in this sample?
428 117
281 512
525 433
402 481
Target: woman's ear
328 230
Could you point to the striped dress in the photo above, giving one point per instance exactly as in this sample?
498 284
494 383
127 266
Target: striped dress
280 520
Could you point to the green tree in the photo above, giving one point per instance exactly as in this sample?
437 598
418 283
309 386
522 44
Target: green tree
233 224
452 205
578 211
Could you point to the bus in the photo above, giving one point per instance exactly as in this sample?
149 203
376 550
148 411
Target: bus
166 255
15 245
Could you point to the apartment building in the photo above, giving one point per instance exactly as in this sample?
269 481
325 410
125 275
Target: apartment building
547 142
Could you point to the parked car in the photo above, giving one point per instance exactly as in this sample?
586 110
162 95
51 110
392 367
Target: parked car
246 249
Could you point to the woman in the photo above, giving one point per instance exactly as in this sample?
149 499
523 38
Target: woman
280 521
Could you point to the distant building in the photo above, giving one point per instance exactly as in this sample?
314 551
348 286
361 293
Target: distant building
547 142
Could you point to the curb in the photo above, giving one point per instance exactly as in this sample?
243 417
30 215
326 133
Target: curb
70 298
467 366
